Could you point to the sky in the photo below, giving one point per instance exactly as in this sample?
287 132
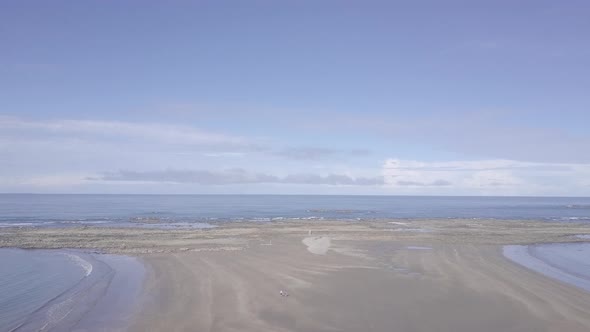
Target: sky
295 97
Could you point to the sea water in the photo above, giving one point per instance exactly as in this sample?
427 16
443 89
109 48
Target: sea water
60 289
198 211
31 279
566 262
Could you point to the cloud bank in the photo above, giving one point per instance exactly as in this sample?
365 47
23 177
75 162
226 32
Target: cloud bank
501 177
236 176
71 155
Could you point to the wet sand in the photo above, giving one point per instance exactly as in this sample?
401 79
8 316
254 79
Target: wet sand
415 275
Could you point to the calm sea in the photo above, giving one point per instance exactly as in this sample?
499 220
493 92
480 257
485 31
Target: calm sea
31 279
63 290
200 210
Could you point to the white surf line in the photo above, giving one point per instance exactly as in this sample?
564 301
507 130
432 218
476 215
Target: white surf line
416 230
55 316
398 223
53 313
418 248
84 264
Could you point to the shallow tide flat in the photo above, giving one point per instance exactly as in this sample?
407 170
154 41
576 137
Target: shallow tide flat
403 275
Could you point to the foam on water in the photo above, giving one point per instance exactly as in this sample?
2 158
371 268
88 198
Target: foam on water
79 261
418 248
582 218
18 224
411 230
58 312
147 210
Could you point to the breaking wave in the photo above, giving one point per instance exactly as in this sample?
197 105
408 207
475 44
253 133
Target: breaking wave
84 264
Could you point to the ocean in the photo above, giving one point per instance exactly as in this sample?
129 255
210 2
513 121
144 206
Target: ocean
43 290
205 210
30 280
566 262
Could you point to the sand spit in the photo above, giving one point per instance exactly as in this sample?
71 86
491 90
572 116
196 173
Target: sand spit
451 288
345 277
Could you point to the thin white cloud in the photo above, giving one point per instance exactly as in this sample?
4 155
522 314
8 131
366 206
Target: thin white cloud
495 134
235 176
145 132
184 139
502 177
47 181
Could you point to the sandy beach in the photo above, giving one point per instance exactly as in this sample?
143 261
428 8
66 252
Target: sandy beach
403 275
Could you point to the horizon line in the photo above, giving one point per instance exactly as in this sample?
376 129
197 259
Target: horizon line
286 194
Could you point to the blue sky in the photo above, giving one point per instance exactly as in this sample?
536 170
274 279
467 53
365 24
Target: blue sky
335 97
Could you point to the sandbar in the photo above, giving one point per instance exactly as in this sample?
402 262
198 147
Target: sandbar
352 276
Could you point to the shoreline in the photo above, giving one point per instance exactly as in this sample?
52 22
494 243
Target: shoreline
106 295
559 261
422 275
208 223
